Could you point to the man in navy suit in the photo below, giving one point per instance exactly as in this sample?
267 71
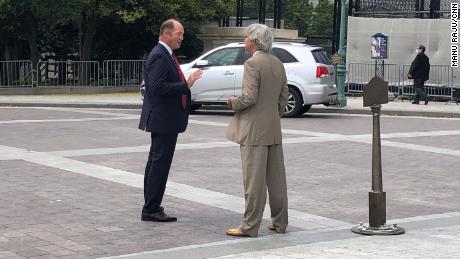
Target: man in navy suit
164 114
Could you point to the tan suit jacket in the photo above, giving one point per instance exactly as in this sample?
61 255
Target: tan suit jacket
261 104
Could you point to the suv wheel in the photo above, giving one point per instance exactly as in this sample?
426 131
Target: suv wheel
195 106
305 109
294 103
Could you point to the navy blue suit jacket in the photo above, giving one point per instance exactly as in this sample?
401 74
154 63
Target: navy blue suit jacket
162 110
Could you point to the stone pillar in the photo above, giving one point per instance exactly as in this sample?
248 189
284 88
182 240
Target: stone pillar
218 36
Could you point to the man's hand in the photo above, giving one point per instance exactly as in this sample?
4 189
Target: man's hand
193 77
409 76
229 102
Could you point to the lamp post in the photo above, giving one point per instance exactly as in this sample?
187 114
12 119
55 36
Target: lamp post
341 66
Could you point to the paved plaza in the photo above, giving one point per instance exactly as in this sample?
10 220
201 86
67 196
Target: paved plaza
71 187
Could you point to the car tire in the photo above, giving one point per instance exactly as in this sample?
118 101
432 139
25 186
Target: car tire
142 92
195 106
305 109
294 104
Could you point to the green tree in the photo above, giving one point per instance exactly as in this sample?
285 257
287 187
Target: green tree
298 14
83 26
321 22
192 13
151 13
118 40
93 12
32 20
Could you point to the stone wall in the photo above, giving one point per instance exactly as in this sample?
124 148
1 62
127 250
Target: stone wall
213 37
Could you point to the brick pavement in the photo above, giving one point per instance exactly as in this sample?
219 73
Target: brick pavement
80 195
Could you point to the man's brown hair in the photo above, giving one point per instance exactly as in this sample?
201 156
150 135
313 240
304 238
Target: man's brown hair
167 25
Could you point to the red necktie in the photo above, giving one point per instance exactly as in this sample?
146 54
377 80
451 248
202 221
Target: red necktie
176 62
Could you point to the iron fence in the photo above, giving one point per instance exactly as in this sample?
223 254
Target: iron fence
433 9
359 74
16 73
68 73
123 72
439 84
129 73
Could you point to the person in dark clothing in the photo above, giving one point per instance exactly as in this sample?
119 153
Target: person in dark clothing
164 114
419 71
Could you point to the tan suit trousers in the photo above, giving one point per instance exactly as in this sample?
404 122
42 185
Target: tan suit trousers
263 168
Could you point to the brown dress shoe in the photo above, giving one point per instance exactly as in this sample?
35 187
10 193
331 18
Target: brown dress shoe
273 228
237 232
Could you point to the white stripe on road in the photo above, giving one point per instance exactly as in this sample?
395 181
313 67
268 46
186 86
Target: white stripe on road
84 110
136 149
287 238
70 120
421 134
324 138
382 115
425 217
436 150
182 191
208 123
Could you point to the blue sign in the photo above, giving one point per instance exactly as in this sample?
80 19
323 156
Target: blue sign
379 46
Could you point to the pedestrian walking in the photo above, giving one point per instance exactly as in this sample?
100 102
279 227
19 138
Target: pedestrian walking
419 71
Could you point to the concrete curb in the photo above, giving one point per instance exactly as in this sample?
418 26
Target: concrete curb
389 112
68 90
73 105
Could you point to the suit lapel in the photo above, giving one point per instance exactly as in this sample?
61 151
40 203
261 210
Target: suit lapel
163 50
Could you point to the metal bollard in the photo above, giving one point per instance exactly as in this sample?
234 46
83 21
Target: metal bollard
375 94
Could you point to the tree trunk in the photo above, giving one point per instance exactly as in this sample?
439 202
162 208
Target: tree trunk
87 27
32 37
87 32
8 54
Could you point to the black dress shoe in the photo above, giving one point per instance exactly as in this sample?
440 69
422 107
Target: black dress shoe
159 216
427 100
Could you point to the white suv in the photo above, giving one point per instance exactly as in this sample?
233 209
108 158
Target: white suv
310 75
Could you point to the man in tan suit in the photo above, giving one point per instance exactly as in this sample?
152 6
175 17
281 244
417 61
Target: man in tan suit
256 127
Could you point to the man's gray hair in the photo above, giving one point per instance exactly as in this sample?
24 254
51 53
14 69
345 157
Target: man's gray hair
261 35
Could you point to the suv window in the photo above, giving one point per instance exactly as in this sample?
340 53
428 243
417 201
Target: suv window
283 55
244 55
222 57
321 57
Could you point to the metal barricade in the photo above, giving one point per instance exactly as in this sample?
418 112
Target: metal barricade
67 73
439 84
359 74
16 73
123 72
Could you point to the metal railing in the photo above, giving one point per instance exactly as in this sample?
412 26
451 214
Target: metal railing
440 83
123 72
359 74
68 73
433 9
16 73
128 73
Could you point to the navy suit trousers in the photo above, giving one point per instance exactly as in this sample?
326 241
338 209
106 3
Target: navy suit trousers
157 170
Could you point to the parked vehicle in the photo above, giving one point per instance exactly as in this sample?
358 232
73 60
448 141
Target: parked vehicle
310 75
